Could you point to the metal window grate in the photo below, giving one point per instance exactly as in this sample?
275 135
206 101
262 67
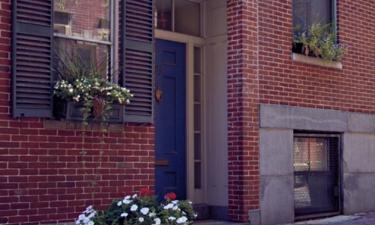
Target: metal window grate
316 174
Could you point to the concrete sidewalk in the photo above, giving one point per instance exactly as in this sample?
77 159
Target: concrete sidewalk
357 219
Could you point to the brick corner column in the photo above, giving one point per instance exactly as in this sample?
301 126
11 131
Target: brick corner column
242 87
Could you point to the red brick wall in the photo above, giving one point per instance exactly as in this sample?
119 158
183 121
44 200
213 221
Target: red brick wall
41 175
260 70
243 186
282 81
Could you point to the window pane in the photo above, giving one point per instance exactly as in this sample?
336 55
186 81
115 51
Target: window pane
197 146
89 19
81 57
197 175
164 14
187 17
197 88
307 12
197 60
311 154
197 117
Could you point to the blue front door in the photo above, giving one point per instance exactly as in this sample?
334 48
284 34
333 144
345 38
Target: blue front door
170 130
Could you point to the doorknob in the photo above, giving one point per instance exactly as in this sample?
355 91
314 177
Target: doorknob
158 94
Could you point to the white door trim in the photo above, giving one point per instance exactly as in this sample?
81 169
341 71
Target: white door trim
197 196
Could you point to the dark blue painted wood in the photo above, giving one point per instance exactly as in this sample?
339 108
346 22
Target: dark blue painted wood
170 130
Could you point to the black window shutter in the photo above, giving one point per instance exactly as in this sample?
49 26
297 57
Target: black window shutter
31 58
137 46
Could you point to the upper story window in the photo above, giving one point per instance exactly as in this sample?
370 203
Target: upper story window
122 31
83 19
315 33
309 12
181 16
84 27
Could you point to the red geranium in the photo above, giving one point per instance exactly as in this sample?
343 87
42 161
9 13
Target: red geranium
170 195
145 192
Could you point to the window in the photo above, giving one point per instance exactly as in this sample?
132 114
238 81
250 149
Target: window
83 28
316 173
121 28
182 16
308 12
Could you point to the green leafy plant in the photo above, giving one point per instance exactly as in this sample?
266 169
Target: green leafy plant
106 3
319 40
60 4
143 210
88 83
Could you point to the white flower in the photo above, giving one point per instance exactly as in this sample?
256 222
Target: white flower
157 221
134 208
119 203
169 206
71 90
175 207
144 211
175 201
86 220
182 219
92 214
141 219
90 223
124 215
171 218
126 201
152 214
81 217
134 196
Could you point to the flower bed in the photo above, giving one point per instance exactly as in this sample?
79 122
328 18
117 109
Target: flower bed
143 210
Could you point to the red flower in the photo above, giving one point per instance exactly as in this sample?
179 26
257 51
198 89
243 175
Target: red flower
170 195
145 192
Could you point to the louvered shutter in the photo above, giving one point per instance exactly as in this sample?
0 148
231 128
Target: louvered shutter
31 58
137 58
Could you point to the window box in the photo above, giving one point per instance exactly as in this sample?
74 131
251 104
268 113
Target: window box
296 57
71 111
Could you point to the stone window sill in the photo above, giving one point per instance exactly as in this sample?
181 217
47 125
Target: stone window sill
315 61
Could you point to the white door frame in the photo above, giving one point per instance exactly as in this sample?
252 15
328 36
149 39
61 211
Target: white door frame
195 195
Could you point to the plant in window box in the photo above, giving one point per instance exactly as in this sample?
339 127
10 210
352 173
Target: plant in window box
60 4
319 41
86 87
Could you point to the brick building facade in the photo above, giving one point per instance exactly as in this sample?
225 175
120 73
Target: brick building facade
268 98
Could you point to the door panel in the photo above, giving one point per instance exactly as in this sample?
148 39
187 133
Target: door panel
170 121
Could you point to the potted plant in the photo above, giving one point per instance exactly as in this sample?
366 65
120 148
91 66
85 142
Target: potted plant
143 210
60 4
84 90
319 41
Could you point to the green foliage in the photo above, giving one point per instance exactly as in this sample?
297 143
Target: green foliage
320 41
88 82
143 210
60 4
